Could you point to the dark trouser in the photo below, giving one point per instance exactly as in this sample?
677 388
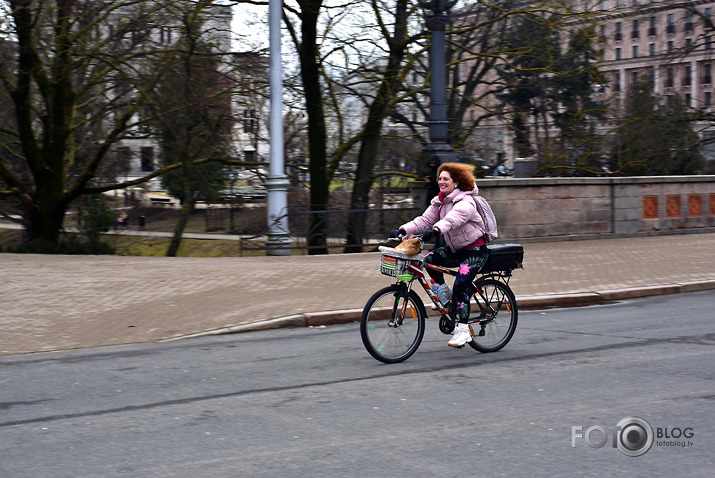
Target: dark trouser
470 262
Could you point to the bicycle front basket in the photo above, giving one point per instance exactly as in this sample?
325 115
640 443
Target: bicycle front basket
395 263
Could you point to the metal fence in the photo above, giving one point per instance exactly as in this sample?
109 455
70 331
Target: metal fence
330 227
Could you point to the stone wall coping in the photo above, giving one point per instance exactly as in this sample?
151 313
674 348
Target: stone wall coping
568 181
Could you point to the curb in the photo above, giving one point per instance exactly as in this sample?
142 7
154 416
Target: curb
336 317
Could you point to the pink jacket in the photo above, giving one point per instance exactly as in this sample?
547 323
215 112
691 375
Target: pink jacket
457 219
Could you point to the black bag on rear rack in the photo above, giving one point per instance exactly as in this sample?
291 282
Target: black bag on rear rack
504 257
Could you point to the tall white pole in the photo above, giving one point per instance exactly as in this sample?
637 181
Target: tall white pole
279 240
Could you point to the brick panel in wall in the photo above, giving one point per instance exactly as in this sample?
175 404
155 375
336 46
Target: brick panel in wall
672 205
650 207
695 205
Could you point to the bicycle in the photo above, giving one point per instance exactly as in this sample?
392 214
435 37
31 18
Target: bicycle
393 320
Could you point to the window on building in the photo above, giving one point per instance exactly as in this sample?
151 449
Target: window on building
671 46
249 156
669 100
250 123
164 35
688 99
634 48
147 158
670 23
652 22
707 74
617 54
602 31
688 21
635 32
708 42
669 77
688 76
634 78
617 82
707 98
124 154
708 18
651 49
618 34
688 43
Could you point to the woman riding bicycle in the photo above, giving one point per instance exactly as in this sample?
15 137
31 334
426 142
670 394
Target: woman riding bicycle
453 214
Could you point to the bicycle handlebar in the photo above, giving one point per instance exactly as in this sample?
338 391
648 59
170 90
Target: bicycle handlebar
402 237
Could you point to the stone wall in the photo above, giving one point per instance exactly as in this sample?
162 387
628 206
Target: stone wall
542 207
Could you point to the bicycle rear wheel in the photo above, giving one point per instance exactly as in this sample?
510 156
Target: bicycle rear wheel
393 324
493 315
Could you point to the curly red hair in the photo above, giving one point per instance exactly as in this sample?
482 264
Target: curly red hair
462 174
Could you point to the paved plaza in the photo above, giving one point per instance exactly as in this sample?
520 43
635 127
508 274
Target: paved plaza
52 302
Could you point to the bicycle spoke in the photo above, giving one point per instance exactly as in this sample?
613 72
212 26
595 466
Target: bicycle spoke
493 316
392 325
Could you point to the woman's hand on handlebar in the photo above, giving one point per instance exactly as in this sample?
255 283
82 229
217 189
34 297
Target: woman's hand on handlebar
397 233
428 235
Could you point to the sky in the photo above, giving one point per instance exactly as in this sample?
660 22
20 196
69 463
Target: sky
250 27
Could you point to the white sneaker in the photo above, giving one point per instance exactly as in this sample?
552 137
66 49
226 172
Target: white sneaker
461 336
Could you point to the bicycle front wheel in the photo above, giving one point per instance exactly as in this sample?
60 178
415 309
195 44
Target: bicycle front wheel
492 315
393 324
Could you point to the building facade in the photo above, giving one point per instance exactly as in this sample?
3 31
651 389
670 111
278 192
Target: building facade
244 73
671 42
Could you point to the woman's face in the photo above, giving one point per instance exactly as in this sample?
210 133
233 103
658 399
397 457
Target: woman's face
446 183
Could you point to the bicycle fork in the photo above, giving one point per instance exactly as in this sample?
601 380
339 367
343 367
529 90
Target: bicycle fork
399 310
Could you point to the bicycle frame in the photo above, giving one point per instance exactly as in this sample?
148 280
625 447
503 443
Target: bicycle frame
418 270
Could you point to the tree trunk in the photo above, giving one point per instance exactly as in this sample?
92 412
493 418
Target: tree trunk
310 75
377 112
187 209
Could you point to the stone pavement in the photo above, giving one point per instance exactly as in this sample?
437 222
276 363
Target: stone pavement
52 303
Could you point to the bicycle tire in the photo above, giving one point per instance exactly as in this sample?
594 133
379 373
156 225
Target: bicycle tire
493 323
385 333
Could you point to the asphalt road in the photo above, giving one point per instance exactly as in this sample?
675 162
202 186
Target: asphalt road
312 402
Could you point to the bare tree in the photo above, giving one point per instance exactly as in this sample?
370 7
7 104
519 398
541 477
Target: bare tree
79 82
305 37
192 116
395 35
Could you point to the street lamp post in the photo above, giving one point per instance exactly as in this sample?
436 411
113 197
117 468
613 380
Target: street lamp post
437 18
279 240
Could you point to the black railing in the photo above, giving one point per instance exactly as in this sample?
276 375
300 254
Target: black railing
329 229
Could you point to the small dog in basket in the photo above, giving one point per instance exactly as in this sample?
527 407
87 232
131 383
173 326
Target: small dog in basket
411 247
